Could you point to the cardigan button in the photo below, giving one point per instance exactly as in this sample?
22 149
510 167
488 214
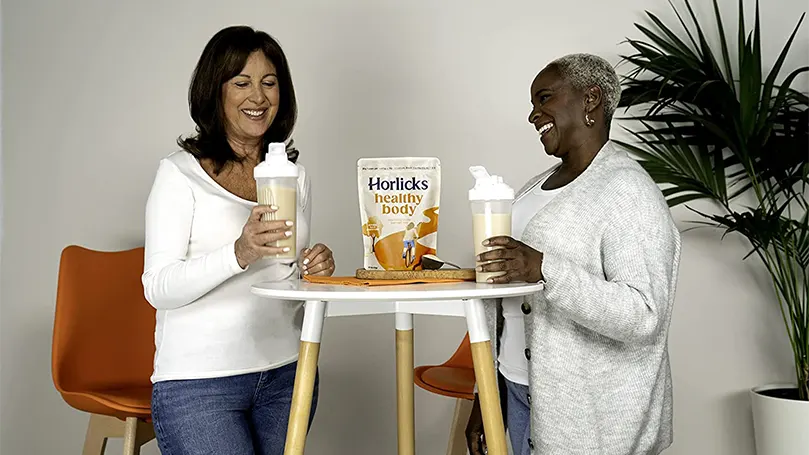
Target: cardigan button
528 354
526 308
530 444
529 399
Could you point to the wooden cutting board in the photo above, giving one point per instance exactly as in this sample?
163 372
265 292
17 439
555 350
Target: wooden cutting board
444 274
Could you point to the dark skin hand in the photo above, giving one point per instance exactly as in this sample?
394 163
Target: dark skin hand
518 260
475 439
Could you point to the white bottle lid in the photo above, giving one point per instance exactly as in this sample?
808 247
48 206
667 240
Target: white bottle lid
489 187
276 164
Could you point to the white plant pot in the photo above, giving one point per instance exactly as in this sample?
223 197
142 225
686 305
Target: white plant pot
781 425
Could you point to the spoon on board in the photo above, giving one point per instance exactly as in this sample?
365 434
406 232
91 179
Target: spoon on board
432 262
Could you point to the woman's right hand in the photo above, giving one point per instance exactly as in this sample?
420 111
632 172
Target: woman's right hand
475 439
256 234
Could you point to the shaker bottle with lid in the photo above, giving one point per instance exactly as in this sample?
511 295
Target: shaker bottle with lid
277 184
491 200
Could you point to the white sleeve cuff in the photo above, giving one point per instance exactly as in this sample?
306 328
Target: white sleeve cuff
232 261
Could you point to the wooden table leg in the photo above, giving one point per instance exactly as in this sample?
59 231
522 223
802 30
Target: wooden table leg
405 385
486 377
301 407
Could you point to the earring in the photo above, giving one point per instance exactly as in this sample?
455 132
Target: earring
588 121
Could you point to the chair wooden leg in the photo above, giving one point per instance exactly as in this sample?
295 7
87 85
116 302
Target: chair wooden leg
145 433
136 434
98 430
457 434
130 434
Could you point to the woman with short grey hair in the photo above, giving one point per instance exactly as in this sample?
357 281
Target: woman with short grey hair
585 362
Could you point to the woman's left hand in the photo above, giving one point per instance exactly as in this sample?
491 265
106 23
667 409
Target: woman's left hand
518 260
318 260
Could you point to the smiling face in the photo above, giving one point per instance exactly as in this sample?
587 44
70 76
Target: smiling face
558 112
251 100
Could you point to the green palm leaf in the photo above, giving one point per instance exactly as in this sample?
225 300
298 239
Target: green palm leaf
709 130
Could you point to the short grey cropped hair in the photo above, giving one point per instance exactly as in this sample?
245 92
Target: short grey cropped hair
583 71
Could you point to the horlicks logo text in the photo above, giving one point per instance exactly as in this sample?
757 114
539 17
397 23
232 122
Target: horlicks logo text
397 184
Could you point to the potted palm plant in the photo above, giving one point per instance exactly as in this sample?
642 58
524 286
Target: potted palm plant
708 127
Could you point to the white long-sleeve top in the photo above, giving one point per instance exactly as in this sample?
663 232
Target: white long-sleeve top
208 322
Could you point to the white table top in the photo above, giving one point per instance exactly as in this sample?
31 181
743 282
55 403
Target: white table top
303 290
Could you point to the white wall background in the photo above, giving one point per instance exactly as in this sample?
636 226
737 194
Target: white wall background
94 94
1 131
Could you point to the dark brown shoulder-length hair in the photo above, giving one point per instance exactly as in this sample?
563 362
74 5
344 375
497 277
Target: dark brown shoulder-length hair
223 58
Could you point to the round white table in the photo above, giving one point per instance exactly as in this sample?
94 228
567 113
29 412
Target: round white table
438 299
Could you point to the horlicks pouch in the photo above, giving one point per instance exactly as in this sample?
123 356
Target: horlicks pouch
399 199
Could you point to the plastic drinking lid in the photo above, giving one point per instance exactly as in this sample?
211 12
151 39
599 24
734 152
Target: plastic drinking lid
276 164
488 187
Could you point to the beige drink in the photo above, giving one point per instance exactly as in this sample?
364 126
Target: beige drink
484 226
286 199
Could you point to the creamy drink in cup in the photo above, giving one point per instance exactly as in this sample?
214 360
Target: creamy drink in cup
277 184
491 200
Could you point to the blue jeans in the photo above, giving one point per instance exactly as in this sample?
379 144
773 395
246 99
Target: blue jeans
237 415
518 417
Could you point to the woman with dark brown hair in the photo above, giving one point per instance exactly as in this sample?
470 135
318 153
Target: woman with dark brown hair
225 360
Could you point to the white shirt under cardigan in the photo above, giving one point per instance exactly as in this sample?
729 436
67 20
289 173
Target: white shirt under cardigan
208 322
512 362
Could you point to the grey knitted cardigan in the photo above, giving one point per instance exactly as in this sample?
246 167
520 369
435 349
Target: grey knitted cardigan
600 381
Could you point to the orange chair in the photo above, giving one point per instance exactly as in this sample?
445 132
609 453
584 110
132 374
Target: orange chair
103 345
454 378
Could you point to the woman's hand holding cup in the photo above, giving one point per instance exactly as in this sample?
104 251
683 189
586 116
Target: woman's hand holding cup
256 235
